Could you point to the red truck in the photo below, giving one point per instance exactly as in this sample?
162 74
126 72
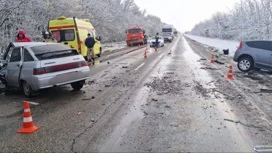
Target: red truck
135 36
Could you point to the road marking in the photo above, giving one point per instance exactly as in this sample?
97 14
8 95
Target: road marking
139 66
160 56
33 103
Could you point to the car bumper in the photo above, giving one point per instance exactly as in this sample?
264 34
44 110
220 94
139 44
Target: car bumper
236 56
131 42
60 78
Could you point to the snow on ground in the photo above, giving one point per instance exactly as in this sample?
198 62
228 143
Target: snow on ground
114 46
217 43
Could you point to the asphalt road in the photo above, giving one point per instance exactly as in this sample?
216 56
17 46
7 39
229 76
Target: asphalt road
165 103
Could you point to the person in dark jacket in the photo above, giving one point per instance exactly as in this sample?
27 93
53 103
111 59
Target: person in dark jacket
90 42
157 40
21 37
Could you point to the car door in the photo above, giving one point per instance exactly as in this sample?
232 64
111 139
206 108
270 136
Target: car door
262 53
14 67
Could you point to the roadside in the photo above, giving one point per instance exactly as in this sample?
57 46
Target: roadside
248 94
216 43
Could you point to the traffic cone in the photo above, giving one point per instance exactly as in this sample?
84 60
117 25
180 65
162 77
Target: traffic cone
28 125
230 75
212 60
145 54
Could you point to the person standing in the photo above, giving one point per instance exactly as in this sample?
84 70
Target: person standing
48 37
89 43
21 37
157 41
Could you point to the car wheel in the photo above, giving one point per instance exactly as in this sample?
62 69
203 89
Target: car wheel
245 64
77 85
28 91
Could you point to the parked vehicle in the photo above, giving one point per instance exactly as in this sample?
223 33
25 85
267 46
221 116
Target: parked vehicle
35 66
153 41
73 32
168 33
254 54
135 36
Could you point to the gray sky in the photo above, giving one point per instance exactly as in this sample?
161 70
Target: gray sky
184 14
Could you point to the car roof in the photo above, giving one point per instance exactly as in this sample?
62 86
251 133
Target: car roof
29 44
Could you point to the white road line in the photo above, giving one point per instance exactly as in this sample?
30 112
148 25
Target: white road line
139 66
33 103
160 56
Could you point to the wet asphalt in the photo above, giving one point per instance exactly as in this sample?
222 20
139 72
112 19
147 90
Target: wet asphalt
165 103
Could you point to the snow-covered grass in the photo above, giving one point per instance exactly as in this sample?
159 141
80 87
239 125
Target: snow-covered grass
217 43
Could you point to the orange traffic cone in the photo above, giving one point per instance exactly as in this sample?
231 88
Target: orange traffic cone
230 76
145 54
212 60
28 125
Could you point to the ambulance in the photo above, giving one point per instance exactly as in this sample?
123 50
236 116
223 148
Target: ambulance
73 32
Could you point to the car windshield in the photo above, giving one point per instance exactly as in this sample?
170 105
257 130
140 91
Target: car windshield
167 30
134 31
52 51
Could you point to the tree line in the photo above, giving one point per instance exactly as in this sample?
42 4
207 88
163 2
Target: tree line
110 18
248 20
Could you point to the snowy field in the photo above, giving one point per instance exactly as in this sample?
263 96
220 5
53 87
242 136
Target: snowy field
217 43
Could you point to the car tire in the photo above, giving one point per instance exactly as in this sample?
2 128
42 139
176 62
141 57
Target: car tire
77 85
28 91
245 64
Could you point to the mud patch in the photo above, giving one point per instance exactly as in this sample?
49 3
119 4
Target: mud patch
201 90
165 86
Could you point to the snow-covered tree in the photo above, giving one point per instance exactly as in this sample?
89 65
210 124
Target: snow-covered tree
248 20
111 18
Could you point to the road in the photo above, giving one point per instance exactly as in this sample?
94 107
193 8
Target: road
165 103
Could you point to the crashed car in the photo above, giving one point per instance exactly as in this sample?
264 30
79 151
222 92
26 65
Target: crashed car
35 66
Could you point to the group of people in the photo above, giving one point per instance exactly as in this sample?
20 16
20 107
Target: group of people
21 37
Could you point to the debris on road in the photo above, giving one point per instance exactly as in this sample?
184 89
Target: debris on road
86 99
208 68
93 97
153 99
219 62
107 85
223 93
266 90
232 121
91 82
92 120
79 113
124 67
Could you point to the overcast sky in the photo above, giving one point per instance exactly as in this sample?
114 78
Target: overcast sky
184 14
